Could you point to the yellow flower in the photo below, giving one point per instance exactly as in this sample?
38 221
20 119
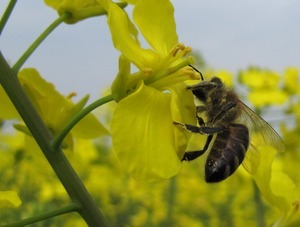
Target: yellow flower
9 199
256 78
56 110
265 87
265 97
275 186
79 9
292 80
151 99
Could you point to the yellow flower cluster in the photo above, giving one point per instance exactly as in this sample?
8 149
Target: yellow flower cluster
292 80
185 199
265 87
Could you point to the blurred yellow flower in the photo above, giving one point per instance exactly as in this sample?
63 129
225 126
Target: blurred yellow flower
256 78
275 186
265 97
292 80
150 100
264 87
9 199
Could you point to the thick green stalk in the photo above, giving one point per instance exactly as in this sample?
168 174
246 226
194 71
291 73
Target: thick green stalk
39 40
44 216
60 137
60 164
6 14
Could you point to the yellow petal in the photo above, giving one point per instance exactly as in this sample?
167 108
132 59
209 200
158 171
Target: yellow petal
133 2
55 109
42 94
280 184
155 19
123 37
183 110
276 187
143 134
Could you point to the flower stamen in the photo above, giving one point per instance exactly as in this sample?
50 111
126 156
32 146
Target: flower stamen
177 48
180 47
181 65
147 72
190 73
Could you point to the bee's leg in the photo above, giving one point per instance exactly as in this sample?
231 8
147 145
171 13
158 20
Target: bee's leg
202 129
191 155
225 112
199 110
200 121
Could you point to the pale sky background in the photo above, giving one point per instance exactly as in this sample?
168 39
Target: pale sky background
229 34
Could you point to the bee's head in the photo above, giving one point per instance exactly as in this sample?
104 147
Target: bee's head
217 82
203 89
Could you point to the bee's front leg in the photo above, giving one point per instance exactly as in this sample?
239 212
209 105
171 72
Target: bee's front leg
205 130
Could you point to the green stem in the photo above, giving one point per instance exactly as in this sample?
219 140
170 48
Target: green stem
7 14
56 158
59 138
39 40
259 207
171 199
67 209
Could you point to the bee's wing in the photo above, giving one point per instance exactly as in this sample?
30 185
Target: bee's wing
261 134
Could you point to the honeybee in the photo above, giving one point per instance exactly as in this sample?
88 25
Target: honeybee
230 126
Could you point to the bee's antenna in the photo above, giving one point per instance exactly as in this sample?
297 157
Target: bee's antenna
197 71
